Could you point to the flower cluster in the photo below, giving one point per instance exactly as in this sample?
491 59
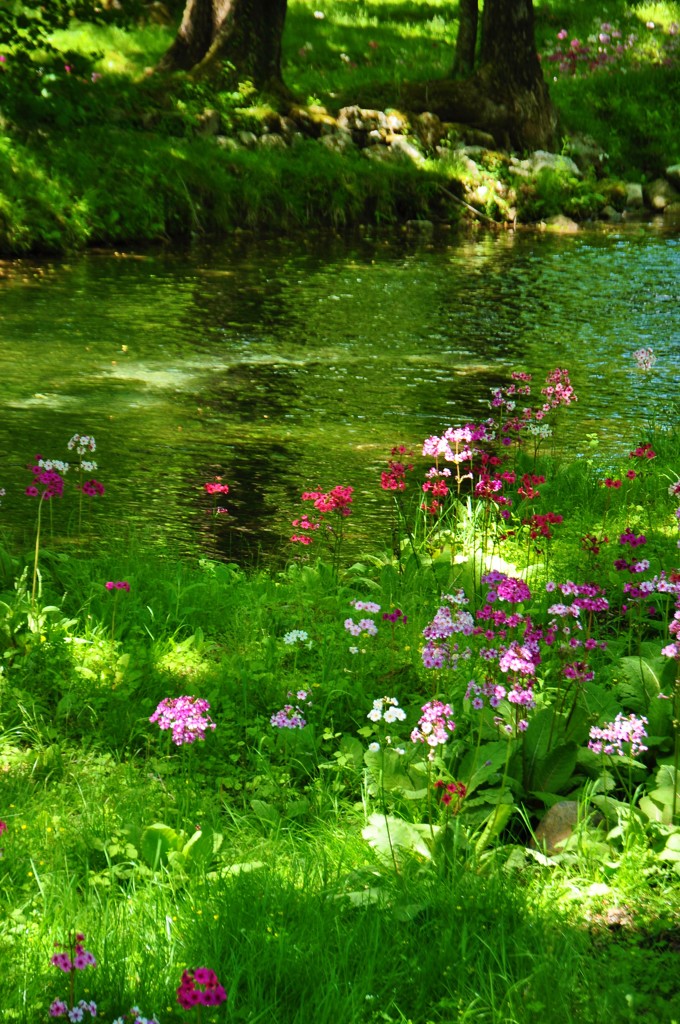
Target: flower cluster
290 716
47 483
558 391
451 789
295 636
200 988
506 588
117 585
337 500
186 716
396 616
364 625
611 737
394 477
644 358
79 957
434 725
672 650
59 1008
386 709
216 488
93 488
82 443
643 451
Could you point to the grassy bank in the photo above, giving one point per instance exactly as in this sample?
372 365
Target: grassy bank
95 150
325 781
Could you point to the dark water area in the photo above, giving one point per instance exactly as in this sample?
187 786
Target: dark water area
282 365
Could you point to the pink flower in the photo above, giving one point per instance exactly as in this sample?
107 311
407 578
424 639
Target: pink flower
186 716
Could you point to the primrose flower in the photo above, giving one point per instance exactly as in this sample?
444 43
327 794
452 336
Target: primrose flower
290 716
434 725
79 958
186 716
295 636
93 488
118 585
82 443
216 488
611 737
200 988
644 358
386 709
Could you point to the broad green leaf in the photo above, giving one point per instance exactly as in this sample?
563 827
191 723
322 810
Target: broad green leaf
555 770
265 812
495 824
157 842
389 835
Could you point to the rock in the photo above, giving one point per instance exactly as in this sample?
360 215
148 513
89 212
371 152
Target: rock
672 173
356 119
338 142
557 825
228 143
247 139
404 146
311 120
634 200
586 152
609 213
561 225
209 122
540 160
659 194
671 215
396 122
272 142
429 129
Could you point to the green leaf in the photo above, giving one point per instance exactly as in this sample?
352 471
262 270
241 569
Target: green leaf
555 770
495 824
157 842
201 848
389 770
265 812
481 764
388 835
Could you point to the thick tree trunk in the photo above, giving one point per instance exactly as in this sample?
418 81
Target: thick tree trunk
507 95
246 34
466 40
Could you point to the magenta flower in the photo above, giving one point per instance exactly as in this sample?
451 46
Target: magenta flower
93 488
216 488
210 992
119 585
186 717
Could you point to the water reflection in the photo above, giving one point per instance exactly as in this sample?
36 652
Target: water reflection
281 366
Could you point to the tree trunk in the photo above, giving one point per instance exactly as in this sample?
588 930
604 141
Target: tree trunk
245 34
466 40
507 96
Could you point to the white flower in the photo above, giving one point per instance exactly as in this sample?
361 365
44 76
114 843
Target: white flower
373 747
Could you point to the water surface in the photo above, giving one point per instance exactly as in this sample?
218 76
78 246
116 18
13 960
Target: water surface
283 365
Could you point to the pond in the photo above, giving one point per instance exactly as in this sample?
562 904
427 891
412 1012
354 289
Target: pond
284 365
